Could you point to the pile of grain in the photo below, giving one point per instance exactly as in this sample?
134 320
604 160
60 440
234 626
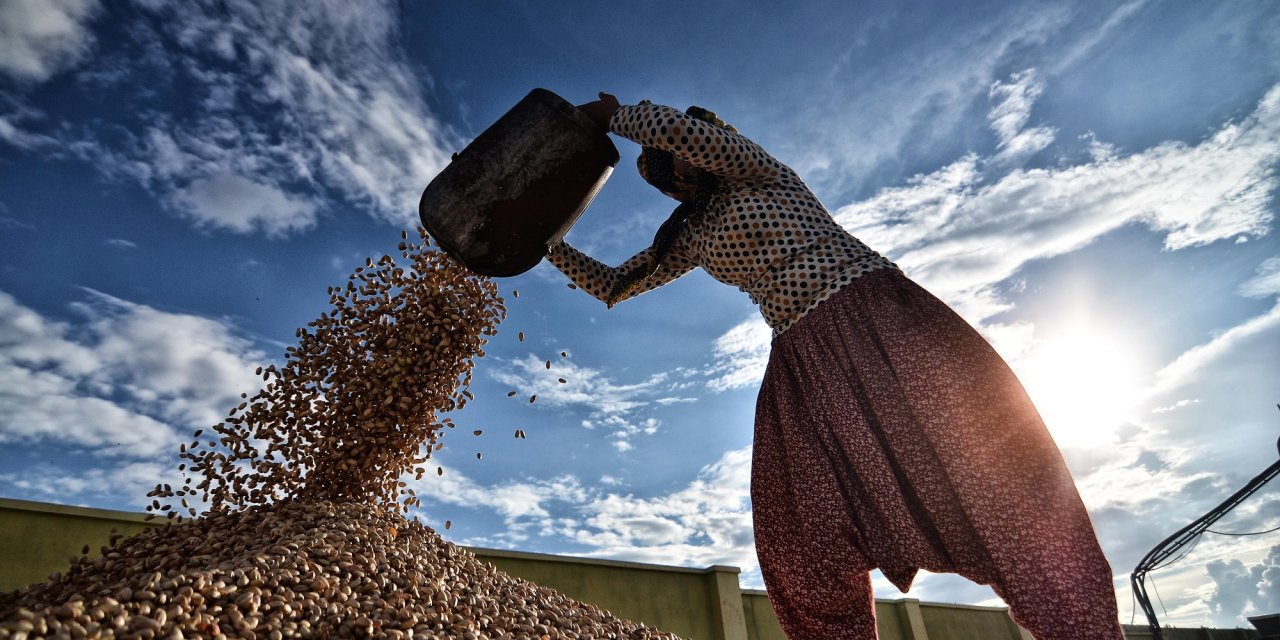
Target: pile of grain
294 569
305 535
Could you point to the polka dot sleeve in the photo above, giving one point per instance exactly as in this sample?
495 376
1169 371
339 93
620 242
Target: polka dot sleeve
597 279
705 146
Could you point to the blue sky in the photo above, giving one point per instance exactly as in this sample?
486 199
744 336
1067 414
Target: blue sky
1093 185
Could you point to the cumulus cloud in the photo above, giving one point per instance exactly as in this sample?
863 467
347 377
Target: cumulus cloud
706 522
1240 590
185 368
119 382
39 38
608 404
522 504
239 204
1123 478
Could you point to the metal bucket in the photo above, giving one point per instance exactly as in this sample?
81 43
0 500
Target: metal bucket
519 186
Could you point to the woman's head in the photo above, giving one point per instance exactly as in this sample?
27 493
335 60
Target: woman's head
671 175
674 176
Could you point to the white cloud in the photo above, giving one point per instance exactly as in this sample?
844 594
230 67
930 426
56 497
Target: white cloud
1240 591
1184 402
129 479
960 237
119 382
120 243
183 367
882 108
608 404
622 431
741 355
707 522
288 108
42 407
1184 368
15 124
1009 117
39 38
1266 282
1123 480
239 204
11 133
521 503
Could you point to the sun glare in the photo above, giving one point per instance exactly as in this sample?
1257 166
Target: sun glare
1085 382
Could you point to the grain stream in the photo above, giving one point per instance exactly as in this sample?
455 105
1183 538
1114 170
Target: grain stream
304 530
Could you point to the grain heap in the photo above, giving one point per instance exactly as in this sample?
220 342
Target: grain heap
305 535
295 569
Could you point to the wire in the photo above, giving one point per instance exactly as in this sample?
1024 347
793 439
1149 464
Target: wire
1158 598
1251 533
1194 542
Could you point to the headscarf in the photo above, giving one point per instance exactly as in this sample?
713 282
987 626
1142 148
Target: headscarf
658 169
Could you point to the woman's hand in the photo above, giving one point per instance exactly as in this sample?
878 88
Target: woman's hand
601 111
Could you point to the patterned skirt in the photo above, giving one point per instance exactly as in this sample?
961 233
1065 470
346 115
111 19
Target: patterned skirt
890 434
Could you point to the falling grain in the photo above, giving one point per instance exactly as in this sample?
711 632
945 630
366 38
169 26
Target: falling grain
304 533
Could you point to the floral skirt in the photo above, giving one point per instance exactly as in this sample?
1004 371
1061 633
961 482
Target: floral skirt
889 434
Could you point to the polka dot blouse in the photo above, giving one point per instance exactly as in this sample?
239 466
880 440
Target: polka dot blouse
764 231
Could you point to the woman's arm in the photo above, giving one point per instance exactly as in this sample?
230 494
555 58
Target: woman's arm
598 279
703 145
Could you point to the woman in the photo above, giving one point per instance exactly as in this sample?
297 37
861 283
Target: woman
888 433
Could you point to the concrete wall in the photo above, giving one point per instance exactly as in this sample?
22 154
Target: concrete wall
692 603
37 539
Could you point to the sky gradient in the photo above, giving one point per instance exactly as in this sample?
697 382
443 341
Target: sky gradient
1092 185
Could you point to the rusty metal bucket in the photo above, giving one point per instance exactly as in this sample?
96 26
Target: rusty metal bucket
519 186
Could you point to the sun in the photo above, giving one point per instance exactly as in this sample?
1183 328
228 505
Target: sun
1085 380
